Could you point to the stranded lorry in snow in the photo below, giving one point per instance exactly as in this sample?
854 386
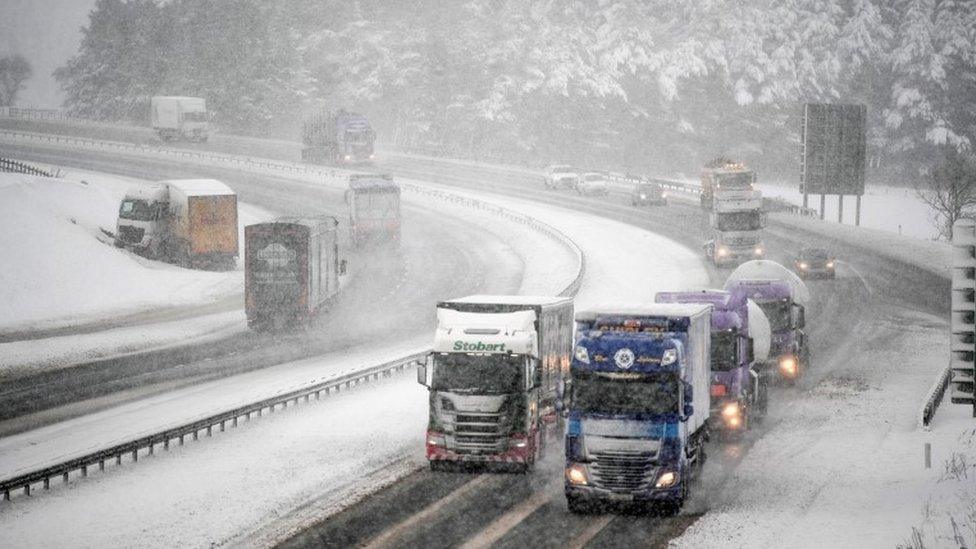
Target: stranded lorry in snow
374 209
740 347
783 298
179 118
492 378
291 270
337 138
637 404
190 221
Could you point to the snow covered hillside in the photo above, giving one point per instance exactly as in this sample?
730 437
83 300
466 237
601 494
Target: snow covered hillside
62 270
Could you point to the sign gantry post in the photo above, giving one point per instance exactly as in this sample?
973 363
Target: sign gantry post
833 154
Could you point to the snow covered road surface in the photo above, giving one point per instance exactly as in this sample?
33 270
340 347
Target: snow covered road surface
268 471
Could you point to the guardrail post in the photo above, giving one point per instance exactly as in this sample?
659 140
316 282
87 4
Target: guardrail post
118 459
6 495
101 465
181 440
196 435
166 444
151 445
27 489
47 483
135 455
84 471
222 426
210 430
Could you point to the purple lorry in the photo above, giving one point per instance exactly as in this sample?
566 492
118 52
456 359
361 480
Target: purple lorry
783 298
740 346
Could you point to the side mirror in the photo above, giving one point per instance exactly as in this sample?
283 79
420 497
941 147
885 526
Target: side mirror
750 349
800 316
687 411
342 267
687 397
423 369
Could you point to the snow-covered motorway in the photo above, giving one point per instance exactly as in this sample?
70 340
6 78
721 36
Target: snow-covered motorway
868 309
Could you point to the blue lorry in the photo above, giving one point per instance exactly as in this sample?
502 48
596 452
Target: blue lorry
637 405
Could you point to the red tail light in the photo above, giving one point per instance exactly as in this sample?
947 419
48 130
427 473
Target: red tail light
719 390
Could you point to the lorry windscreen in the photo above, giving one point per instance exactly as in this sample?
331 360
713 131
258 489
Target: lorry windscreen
778 313
199 116
478 374
739 221
734 180
651 394
137 210
723 351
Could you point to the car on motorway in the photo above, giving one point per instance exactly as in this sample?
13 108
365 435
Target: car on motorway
594 183
646 193
561 176
815 263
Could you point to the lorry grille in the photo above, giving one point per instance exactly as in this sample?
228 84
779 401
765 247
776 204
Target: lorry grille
130 234
741 241
479 433
623 471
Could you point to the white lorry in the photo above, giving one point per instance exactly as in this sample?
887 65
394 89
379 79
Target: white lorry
190 221
175 117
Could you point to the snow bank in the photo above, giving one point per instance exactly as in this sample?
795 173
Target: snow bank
62 270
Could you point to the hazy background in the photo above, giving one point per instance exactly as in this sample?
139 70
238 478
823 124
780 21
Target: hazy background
47 33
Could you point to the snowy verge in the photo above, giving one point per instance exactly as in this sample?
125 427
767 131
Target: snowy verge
840 464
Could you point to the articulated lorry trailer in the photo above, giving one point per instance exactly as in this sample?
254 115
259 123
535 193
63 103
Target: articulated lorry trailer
192 222
338 138
374 209
291 270
493 377
783 297
740 348
637 405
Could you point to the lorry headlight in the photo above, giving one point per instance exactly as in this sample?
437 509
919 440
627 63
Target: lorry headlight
576 474
731 409
348 157
643 197
723 251
830 264
436 439
582 354
804 266
518 440
666 480
664 195
758 250
669 357
788 366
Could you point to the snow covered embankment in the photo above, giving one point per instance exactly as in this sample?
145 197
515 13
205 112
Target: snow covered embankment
63 276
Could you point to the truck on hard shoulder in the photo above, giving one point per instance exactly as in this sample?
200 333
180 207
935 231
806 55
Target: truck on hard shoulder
740 348
637 405
492 379
192 222
735 213
337 138
783 298
374 209
291 270
175 118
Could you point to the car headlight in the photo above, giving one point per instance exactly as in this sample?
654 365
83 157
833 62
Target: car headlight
804 266
576 474
830 264
758 250
582 354
788 366
664 195
643 197
722 252
669 357
667 480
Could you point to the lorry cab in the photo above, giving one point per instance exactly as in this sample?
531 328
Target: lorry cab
637 405
723 175
740 346
141 221
492 378
782 296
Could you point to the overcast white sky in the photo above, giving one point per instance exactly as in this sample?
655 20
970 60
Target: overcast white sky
47 33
